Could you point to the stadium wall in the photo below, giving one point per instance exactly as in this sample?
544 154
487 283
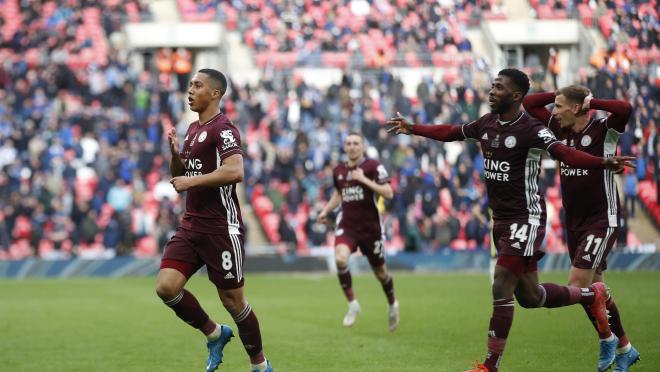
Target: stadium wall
451 261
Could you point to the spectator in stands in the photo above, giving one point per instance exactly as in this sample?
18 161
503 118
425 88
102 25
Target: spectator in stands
630 192
182 65
553 65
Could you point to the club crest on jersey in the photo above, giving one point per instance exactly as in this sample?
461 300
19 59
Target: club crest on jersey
510 142
496 142
228 139
202 136
585 141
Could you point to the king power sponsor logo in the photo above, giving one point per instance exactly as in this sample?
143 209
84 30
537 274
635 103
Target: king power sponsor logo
352 193
572 172
496 170
193 167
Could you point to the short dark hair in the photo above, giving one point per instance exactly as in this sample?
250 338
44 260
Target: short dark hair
518 78
217 77
354 133
574 93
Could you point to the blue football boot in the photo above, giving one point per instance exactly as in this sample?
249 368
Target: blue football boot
215 348
625 360
607 353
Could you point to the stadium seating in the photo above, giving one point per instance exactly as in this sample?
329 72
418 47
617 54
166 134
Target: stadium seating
85 173
285 36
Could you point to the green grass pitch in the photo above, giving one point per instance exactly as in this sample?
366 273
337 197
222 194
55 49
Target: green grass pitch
120 325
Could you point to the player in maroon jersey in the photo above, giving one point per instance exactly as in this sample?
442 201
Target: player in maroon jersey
589 196
208 167
358 183
512 143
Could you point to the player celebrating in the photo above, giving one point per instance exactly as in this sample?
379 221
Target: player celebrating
512 143
211 233
358 182
590 197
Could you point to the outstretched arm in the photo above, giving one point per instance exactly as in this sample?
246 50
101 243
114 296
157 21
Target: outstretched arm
440 132
620 111
579 159
535 104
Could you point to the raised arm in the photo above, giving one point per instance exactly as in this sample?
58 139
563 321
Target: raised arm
439 132
620 111
177 167
535 104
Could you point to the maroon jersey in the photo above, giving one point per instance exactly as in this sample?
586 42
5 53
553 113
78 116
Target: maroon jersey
359 211
512 153
211 210
589 196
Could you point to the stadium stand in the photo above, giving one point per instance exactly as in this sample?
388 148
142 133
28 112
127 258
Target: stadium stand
81 132
331 32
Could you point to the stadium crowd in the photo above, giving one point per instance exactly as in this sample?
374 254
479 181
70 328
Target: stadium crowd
331 33
84 163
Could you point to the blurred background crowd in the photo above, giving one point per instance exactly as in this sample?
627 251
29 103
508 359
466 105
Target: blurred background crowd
85 164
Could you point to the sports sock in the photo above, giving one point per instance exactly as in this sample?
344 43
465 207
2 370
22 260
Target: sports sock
615 323
346 282
388 288
560 295
261 367
215 334
188 309
624 349
500 324
248 330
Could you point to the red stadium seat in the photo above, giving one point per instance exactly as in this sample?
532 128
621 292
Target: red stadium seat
146 247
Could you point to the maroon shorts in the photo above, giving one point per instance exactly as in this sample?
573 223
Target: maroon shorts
589 248
222 255
519 238
370 246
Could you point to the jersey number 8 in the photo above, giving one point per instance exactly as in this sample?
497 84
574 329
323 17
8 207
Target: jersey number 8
226 260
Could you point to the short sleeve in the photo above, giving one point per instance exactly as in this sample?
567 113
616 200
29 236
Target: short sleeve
541 137
229 142
472 130
381 174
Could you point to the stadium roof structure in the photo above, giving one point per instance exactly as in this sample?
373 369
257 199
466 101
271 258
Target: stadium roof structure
159 35
534 32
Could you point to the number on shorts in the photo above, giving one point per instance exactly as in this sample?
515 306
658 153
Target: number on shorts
378 248
592 239
516 233
226 260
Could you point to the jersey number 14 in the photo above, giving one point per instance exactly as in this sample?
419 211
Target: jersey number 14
518 233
